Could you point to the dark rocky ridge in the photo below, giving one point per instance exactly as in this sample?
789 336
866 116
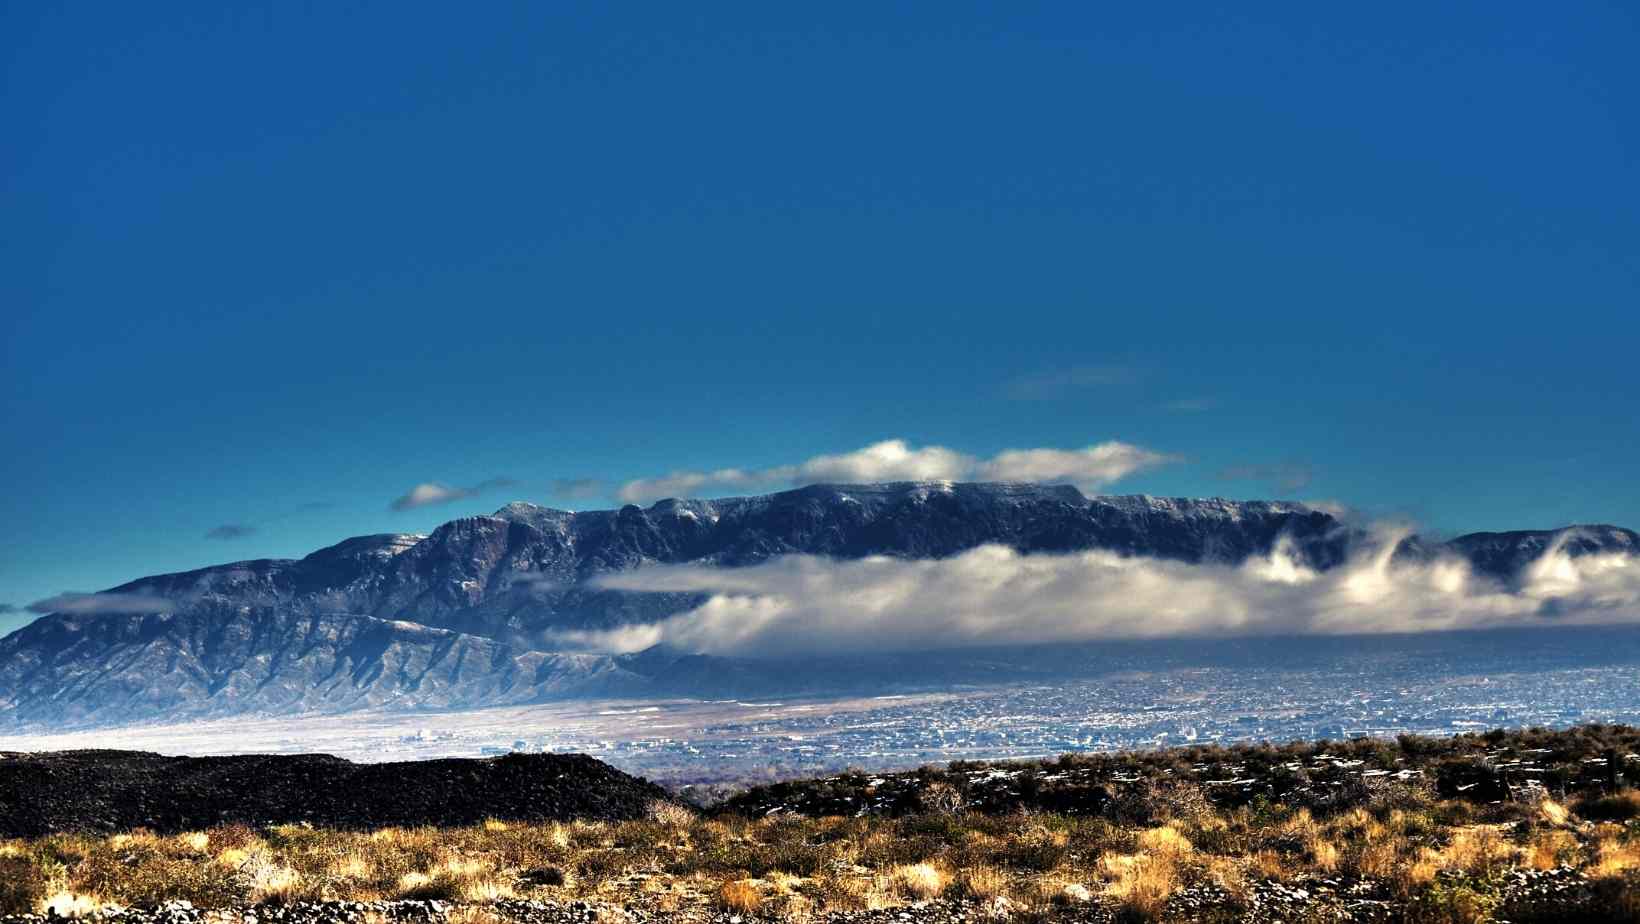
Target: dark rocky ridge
108 791
465 616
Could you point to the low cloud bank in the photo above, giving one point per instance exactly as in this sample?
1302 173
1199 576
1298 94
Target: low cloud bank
896 460
103 603
993 595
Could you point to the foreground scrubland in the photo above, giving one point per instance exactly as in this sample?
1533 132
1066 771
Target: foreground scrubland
1315 831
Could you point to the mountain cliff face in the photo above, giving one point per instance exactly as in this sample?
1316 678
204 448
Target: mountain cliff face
458 618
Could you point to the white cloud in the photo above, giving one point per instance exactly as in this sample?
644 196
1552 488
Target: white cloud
889 460
995 596
682 484
896 460
1093 467
429 493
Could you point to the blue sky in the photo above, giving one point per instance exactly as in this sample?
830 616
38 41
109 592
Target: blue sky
273 268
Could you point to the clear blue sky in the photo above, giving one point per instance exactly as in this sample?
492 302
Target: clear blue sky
271 268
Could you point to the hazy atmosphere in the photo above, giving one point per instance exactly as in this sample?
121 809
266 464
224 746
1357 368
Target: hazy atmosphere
271 272
893 463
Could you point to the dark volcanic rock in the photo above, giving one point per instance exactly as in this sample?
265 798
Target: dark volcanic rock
104 791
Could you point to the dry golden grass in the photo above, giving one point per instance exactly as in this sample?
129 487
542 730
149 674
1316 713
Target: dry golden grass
670 814
194 841
1164 840
271 881
983 882
796 868
1551 848
1553 812
740 896
1379 858
920 880
1141 884
484 889
1614 853
1477 850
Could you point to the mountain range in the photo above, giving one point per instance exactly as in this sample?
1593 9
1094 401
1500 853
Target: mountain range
465 617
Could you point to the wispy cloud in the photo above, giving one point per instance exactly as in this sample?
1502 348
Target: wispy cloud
103 603
896 460
993 595
429 493
1093 467
1286 476
1059 382
1190 405
230 531
578 488
8 608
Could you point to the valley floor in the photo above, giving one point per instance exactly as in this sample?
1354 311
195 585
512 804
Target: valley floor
1105 699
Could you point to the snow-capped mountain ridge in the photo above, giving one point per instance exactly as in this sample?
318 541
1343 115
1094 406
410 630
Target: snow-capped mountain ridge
337 628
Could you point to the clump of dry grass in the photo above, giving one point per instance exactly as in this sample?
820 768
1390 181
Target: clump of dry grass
194 841
1553 812
1378 859
983 882
484 889
1141 883
1551 848
920 880
270 881
1615 854
1477 851
670 814
740 896
424 886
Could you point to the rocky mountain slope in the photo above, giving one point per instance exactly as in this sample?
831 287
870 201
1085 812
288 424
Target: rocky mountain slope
463 617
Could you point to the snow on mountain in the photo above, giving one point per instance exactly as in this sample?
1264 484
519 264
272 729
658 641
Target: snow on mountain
467 615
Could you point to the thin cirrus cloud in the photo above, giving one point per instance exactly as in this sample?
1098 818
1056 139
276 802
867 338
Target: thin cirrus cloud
896 460
431 493
103 603
1287 476
1060 382
993 595
230 531
578 488
1191 405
